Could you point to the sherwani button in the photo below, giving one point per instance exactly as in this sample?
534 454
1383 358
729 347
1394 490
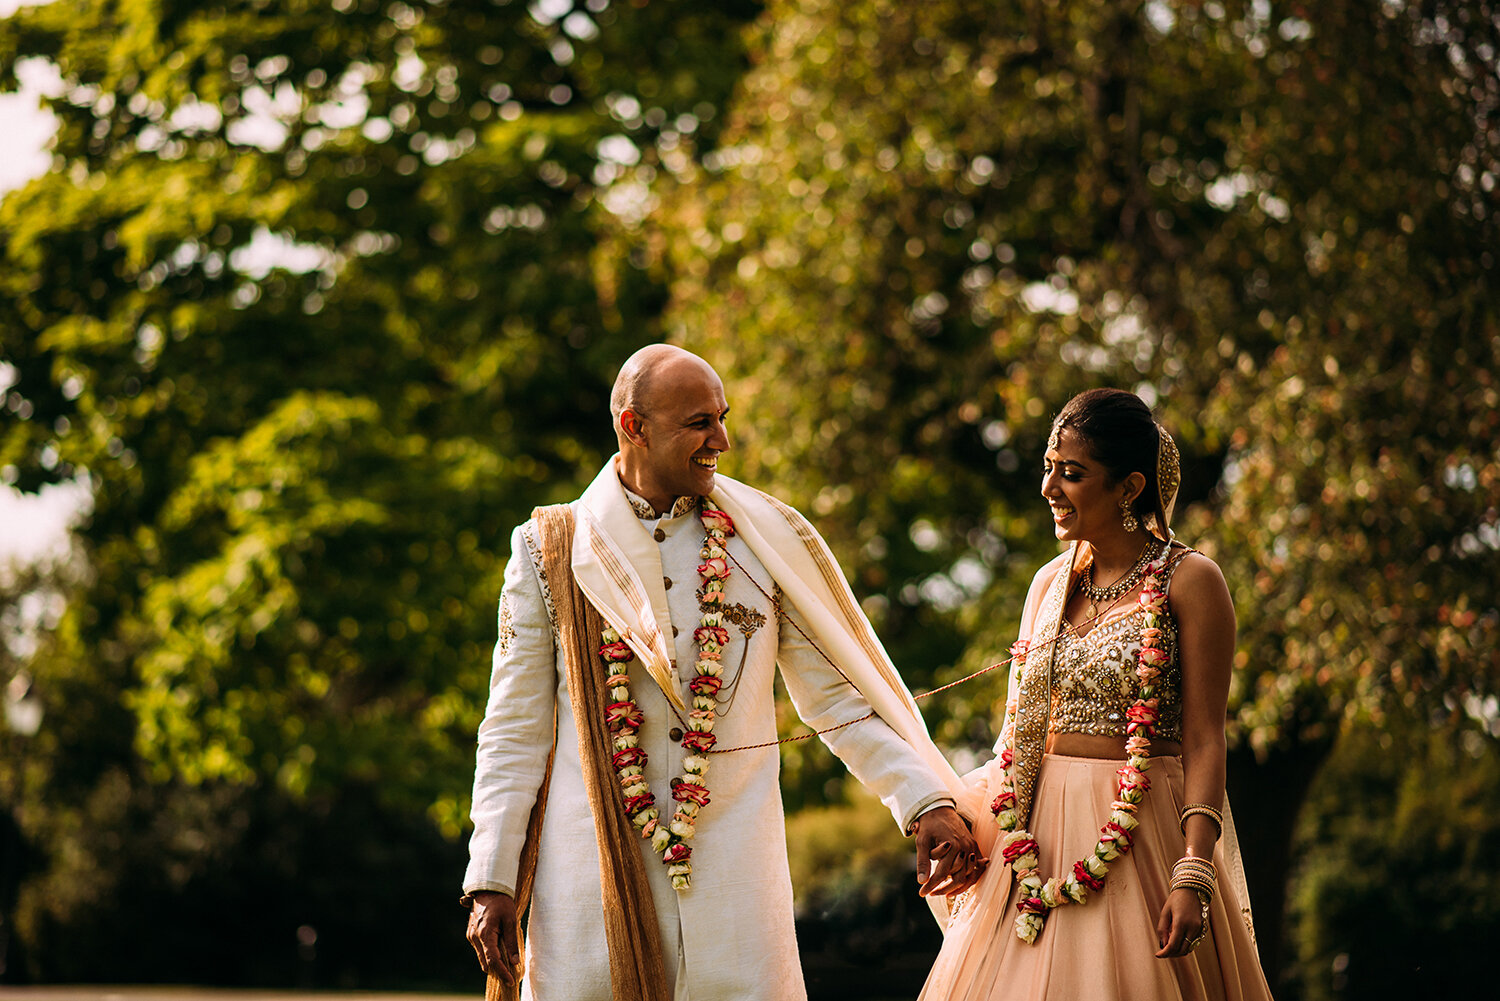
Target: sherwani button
659 535
676 734
667 583
676 780
674 632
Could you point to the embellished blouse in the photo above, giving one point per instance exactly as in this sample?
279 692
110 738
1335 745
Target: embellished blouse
1094 681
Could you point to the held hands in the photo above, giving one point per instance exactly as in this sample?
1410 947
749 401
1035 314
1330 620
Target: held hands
492 933
1180 924
948 859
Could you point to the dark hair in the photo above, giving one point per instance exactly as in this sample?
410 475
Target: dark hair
1122 435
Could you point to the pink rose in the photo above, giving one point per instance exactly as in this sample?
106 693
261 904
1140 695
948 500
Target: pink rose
710 598
714 569
715 520
1152 657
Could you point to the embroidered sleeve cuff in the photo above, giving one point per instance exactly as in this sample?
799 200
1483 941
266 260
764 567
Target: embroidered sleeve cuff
925 805
467 900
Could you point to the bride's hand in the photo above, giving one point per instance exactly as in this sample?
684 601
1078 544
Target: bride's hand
1181 921
948 859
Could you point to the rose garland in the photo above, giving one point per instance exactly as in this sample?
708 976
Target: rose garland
1019 848
624 717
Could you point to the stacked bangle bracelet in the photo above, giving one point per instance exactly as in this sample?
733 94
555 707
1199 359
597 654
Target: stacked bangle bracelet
1210 812
1192 873
1200 876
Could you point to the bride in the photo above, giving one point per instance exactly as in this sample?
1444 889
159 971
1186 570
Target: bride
1115 866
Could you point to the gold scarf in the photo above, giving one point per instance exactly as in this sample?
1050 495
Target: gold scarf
1034 702
636 971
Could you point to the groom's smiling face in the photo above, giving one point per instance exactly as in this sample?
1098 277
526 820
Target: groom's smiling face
682 435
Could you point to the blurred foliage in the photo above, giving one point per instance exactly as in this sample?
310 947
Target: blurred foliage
1394 895
319 299
862 928
1275 221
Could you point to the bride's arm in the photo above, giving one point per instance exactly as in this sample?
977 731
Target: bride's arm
1200 602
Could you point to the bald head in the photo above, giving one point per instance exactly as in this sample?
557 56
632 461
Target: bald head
669 409
652 370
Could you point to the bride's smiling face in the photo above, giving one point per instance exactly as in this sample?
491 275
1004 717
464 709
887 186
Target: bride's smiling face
1085 506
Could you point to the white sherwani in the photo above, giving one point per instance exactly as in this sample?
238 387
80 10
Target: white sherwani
730 937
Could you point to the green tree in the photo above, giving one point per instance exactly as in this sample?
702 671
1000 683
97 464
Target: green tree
319 300
1275 221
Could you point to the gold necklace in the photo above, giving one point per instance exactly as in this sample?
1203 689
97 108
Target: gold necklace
1099 595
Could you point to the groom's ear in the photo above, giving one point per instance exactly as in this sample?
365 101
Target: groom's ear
633 428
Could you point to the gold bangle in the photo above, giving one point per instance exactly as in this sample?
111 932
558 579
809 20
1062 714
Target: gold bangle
1211 813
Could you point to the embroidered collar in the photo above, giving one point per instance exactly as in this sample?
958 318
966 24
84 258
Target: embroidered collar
644 511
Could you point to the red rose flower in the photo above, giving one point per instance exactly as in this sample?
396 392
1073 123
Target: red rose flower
677 853
616 652
1004 801
1017 848
718 634
1122 838
1088 879
1031 905
706 684
686 791
623 715
699 741
635 804
629 756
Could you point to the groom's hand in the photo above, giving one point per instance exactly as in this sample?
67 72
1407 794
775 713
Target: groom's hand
492 933
948 859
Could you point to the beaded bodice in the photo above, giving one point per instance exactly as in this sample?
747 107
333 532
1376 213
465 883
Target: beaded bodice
1094 681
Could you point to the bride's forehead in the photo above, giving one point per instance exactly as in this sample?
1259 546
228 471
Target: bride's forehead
1067 443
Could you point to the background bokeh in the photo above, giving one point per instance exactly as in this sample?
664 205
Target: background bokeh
318 298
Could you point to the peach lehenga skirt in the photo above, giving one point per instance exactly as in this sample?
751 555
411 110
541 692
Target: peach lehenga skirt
1103 950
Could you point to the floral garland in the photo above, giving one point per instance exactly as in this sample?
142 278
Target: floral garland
1039 897
624 717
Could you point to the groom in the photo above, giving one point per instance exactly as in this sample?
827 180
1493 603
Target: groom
688 612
